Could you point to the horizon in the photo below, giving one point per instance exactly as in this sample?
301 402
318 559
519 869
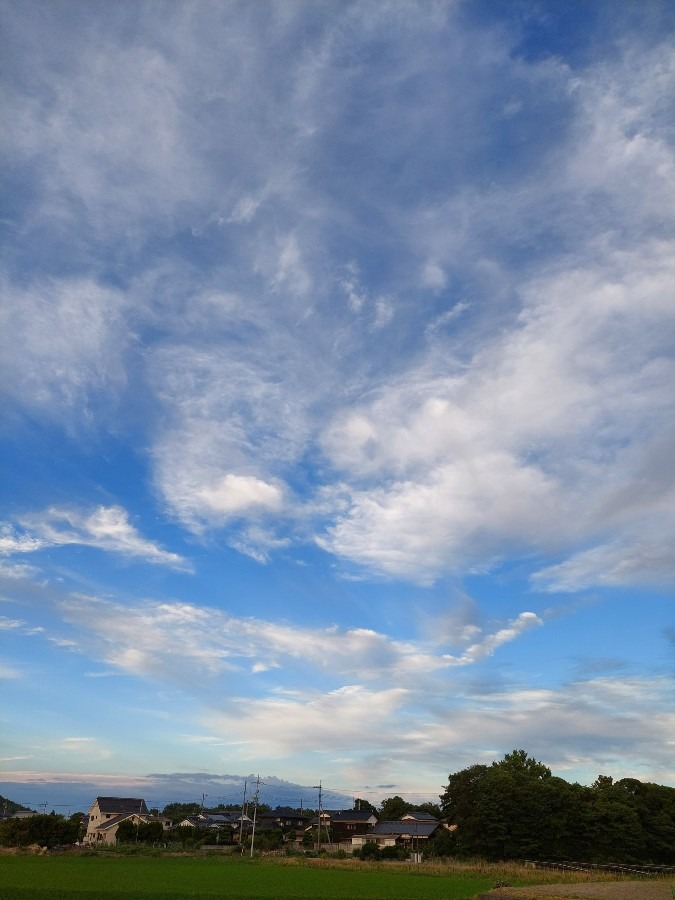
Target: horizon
337 369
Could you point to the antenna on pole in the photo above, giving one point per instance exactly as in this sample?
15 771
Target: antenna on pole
318 831
255 809
241 820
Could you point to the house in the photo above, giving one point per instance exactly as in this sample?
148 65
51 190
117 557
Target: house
418 815
282 817
409 833
107 813
347 823
216 820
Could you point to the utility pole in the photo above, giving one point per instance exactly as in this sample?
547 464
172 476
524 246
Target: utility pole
241 820
255 809
318 832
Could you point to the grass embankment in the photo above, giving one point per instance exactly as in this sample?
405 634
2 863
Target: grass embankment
107 877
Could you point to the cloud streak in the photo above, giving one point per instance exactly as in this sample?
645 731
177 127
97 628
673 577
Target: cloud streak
105 527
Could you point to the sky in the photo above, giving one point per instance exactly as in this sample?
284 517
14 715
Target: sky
337 385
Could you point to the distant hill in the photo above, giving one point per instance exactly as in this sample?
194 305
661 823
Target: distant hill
8 807
158 790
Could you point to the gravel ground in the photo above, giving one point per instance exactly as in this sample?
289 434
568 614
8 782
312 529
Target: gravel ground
620 890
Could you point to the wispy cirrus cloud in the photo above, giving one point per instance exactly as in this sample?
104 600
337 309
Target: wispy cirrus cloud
475 460
400 362
144 640
63 344
105 527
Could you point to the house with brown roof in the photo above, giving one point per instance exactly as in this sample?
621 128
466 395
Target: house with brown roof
346 824
283 817
107 813
409 833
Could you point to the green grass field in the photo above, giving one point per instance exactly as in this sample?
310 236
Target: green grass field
82 878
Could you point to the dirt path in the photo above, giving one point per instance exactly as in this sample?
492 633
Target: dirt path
620 890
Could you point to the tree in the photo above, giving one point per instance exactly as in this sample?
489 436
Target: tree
520 763
129 831
443 843
45 830
394 807
432 808
516 808
179 811
364 805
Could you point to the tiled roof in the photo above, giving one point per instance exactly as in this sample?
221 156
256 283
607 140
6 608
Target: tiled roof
418 829
353 815
119 805
286 812
419 816
109 823
144 817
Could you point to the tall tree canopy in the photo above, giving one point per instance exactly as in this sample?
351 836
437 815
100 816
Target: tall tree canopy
515 809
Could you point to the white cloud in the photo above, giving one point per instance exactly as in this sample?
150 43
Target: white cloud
9 624
234 495
144 640
10 673
19 570
618 564
63 347
488 645
11 542
433 276
335 721
105 527
467 466
450 453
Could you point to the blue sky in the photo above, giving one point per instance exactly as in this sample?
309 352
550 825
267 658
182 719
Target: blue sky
337 372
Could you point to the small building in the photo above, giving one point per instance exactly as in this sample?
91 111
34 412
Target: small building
234 820
107 813
348 823
410 834
282 817
418 815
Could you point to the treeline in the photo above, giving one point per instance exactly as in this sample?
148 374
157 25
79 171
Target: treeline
516 809
46 830
391 808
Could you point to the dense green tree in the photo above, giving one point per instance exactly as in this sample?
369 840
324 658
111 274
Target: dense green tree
432 808
179 811
394 807
459 806
515 808
129 831
45 830
443 843
364 805
521 764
